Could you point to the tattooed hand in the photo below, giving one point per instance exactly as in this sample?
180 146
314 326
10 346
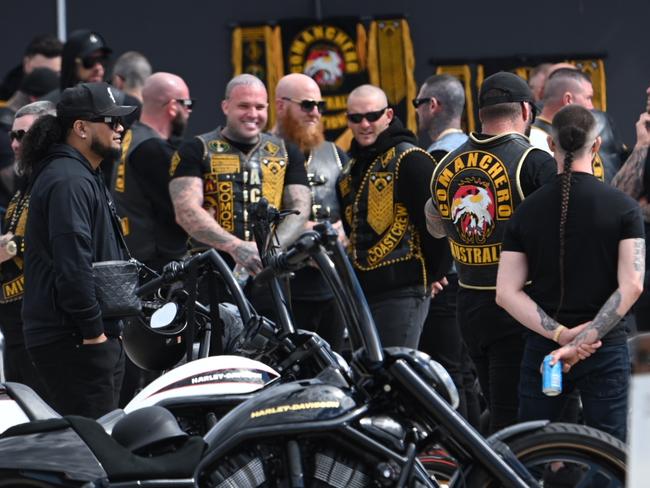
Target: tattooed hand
571 354
629 178
245 254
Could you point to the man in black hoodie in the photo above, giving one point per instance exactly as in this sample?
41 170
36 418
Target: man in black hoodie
383 190
72 223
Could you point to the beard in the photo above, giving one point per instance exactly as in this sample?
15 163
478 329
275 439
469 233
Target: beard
306 137
178 125
106 152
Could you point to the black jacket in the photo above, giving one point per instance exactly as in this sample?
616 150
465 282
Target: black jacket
413 189
69 227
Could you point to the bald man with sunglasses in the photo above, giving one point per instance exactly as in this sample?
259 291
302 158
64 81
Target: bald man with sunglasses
382 190
299 107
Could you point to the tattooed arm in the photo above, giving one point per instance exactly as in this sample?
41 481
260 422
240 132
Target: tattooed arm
631 271
511 279
295 197
187 196
435 225
629 178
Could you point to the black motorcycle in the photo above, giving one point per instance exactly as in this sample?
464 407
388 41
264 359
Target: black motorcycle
358 425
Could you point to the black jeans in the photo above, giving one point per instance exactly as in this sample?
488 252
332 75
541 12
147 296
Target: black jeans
399 320
496 345
441 339
322 317
19 368
602 379
81 379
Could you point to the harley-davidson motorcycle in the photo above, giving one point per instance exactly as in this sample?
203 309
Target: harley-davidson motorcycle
358 424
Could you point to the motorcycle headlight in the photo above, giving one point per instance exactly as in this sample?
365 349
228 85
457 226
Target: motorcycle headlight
432 371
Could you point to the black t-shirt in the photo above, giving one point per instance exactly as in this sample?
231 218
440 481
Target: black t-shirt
191 158
599 217
149 163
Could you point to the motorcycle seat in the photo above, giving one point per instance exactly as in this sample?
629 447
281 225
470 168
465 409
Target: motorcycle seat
118 462
33 405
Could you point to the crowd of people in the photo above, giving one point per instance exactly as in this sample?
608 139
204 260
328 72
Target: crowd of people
487 250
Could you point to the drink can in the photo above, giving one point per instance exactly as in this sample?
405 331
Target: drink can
551 377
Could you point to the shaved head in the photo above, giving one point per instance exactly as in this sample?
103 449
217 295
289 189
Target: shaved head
162 87
368 93
297 85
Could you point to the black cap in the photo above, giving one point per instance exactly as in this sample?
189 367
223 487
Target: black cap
91 100
39 82
504 87
81 43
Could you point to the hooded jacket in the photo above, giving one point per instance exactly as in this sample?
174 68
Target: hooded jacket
412 190
70 226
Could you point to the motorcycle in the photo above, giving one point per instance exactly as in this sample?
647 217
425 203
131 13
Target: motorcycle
357 424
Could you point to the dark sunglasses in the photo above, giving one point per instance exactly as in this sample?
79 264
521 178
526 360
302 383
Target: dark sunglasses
420 101
90 61
369 116
17 135
112 122
308 105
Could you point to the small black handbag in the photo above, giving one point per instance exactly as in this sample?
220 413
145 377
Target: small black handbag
115 286
116 281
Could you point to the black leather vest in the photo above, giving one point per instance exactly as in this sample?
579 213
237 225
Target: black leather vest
381 232
135 211
323 169
597 165
11 271
476 189
232 180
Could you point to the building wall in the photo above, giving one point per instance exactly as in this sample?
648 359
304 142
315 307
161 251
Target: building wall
192 38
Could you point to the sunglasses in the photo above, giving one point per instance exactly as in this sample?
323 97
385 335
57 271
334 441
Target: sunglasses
112 122
369 116
90 61
308 105
17 135
420 101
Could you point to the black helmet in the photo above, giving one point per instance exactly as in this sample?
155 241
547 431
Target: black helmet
154 349
148 430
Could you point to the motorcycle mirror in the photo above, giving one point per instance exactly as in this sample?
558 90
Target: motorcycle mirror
164 316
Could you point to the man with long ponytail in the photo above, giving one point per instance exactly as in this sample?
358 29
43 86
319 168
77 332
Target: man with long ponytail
572 266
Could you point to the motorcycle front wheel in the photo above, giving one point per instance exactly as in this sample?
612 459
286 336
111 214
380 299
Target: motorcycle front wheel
560 455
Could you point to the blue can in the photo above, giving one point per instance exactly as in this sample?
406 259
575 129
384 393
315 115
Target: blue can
551 377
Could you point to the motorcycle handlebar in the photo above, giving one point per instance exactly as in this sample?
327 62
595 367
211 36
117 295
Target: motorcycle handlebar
172 272
291 259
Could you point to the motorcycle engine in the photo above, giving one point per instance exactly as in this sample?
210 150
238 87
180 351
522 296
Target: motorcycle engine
266 466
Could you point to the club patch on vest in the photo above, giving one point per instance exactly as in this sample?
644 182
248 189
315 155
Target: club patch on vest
218 195
224 164
597 167
14 288
218 146
120 178
472 193
271 148
173 164
392 238
380 200
345 185
273 170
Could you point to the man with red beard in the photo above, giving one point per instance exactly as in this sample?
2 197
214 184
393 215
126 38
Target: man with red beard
299 107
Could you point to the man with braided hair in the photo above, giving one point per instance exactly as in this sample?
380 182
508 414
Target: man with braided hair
581 246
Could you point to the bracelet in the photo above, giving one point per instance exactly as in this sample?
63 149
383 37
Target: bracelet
558 331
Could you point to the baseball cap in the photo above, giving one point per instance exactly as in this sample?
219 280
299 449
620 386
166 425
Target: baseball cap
91 100
39 82
81 43
504 87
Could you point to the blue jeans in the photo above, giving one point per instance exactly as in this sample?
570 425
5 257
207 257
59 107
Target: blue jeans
602 380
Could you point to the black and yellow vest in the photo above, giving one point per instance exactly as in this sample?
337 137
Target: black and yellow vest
381 232
323 168
232 180
597 165
135 211
12 278
476 189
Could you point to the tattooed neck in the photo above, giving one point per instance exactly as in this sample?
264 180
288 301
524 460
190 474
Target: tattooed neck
547 322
